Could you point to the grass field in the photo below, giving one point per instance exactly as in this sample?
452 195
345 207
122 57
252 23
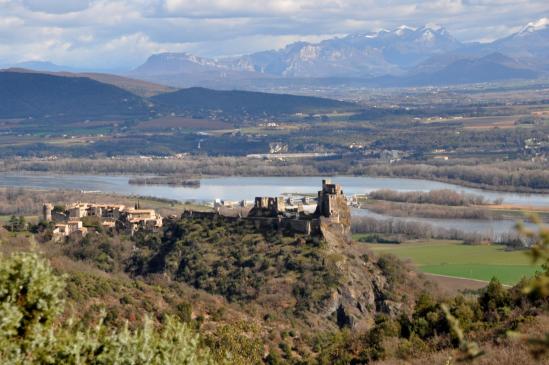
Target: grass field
458 260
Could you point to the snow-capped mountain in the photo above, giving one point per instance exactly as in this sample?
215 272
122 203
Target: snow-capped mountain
356 55
403 51
186 70
530 45
532 27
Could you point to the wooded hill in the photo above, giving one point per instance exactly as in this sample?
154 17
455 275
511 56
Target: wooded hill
29 94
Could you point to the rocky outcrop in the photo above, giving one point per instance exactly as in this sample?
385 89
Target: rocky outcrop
364 289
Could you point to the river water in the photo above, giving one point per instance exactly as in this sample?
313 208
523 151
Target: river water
485 227
246 188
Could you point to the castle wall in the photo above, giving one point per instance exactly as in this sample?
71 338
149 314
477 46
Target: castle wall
303 226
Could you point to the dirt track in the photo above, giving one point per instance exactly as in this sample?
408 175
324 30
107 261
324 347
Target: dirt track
452 285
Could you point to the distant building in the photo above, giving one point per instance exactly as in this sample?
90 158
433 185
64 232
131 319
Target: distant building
441 157
71 228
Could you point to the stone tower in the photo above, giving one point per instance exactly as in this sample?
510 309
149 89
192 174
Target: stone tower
333 211
46 212
330 200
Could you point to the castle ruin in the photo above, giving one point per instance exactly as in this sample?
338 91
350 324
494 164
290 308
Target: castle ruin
331 212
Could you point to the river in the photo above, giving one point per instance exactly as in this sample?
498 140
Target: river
485 227
246 188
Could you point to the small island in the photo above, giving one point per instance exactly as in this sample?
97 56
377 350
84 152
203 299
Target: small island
165 180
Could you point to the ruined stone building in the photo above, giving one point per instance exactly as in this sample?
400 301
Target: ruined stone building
331 212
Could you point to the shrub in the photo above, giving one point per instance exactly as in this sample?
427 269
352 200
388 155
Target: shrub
30 303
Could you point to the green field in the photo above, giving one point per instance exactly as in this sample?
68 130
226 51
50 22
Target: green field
456 259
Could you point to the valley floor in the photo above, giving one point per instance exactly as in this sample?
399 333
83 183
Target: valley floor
457 260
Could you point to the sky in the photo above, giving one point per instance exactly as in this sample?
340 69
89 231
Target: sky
121 34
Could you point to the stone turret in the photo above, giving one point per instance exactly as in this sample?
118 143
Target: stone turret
277 205
334 212
329 199
261 202
46 212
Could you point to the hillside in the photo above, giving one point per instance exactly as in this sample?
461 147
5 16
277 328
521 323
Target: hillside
299 277
67 96
138 87
244 102
37 95
253 297
489 68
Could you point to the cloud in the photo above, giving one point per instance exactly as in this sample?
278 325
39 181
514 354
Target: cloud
56 6
122 33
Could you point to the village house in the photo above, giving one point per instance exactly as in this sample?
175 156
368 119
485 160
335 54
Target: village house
72 227
69 220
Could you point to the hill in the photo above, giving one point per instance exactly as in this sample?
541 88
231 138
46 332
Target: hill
489 68
68 96
138 87
244 102
38 95
294 276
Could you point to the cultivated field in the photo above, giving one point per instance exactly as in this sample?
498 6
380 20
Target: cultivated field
454 259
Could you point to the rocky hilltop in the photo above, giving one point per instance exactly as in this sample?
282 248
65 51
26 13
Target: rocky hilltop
317 281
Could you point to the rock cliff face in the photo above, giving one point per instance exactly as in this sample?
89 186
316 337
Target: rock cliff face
368 285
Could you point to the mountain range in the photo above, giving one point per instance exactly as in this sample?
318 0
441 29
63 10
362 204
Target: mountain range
404 56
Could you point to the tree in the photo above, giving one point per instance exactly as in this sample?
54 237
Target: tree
16 224
12 223
21 224
30 300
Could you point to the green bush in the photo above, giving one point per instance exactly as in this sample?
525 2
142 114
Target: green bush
32 332
30 300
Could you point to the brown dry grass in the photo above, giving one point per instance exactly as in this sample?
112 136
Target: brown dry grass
519 207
